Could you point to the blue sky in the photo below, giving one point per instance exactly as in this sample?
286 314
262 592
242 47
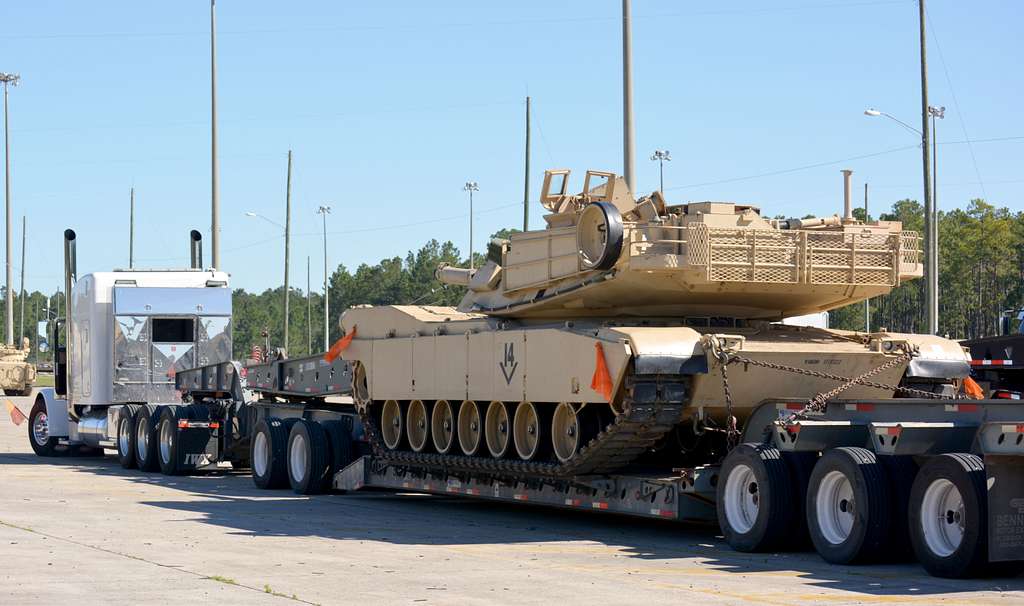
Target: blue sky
391 106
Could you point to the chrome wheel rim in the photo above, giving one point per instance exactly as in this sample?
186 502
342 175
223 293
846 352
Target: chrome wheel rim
942 517
742 498
260 454
166 440
142 437
41 429
124 436
835 506
298 457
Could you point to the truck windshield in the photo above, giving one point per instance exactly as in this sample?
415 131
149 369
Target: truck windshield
173 330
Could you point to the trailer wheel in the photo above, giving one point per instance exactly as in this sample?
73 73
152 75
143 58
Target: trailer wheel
39 436
848 506
339 439
308 462
901 471
146 419
949 516
126 437
800 466
169 441
267 452
755 498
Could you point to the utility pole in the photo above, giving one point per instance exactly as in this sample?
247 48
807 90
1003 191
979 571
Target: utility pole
628 134
325 210
214 170
471 186
8 80
526 179
287 245
21 323
930 245
867 302
131 230
309 312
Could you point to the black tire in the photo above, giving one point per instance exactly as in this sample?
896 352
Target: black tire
308 440
339 439
757 470
270 471
169 454
869 517
800 466
901 471
146 419
966 472
125 442
43 444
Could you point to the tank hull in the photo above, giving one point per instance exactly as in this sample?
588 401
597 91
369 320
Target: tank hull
428 354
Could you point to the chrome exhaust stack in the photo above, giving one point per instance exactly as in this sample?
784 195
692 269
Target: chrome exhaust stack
70 268
195 249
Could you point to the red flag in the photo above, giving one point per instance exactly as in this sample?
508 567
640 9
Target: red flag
339 346
17 417
602 381
972 389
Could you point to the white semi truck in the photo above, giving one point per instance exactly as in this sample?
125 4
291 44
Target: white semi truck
127 333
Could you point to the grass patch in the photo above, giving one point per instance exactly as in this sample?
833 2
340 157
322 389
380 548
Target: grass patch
44 380
225 580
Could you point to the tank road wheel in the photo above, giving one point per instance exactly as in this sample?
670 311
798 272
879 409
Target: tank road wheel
126 436
146 420
417 427
39 436
948 516
308 458
530 431
848 506
391 421
442 426
267 452
470 432
498 429
566 437
755 504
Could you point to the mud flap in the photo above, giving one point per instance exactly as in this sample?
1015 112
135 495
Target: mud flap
1005 482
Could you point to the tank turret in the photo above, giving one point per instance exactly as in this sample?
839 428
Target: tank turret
604 253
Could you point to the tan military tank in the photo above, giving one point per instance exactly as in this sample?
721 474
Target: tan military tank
17 375
598 342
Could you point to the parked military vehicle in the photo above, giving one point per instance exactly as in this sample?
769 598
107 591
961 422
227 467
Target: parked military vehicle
17 374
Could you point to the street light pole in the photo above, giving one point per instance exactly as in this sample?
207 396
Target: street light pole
21 291
867 302
214 169
8 80
325 210
471 186
628 132
662 156
526 179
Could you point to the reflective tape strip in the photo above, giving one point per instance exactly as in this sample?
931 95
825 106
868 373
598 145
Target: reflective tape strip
991 362
664 513
1019 428
790 406
861 407
599 505
961 408
521 497
574 502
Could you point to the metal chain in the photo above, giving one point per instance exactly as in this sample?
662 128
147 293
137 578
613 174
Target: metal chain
732 433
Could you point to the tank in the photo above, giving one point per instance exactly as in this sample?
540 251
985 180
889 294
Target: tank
17 375
630 332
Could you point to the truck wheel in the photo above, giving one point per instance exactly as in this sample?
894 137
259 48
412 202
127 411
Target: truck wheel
168 442
126 437
340 442
267 452
146 419
848 506
308 463
949 516
755 505
800 466
901 471
39 437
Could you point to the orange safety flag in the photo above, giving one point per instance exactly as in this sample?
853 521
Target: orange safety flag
17 417
602 381
972 389
339 346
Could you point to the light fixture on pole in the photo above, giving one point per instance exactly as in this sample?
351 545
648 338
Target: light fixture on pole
471 186
662 156
324 211
931 244
8 80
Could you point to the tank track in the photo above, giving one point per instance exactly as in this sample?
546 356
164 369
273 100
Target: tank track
653 405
